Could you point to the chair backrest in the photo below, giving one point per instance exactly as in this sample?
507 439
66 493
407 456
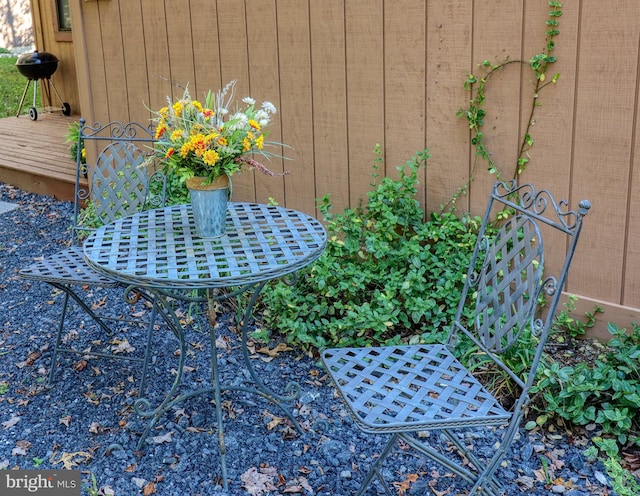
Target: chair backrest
121 180
507 274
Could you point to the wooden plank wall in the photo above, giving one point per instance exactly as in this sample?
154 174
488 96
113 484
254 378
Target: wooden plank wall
347 74
64 78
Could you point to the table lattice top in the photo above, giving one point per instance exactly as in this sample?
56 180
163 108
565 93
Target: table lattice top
160 248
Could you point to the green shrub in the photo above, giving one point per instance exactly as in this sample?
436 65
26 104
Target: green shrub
387 276
605 392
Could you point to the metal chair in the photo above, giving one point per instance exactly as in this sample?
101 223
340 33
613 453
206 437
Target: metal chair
406 390
121 182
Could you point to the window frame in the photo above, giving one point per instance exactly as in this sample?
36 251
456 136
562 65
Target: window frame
60 33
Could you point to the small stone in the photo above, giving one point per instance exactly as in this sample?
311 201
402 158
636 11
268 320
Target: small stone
139 482
197 420
558 489
345 474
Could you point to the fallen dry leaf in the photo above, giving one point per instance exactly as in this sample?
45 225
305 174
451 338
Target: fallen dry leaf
11 422
99 304
70 460
275 421
32 357
122 346
258 482
150 488
275 351
17 451
80 365
221 343
66 420
403 486
297 486
166 438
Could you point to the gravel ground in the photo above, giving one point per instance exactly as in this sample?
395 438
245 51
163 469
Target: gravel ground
87 421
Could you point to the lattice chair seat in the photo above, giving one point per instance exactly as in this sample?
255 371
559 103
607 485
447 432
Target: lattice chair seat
66 267
403 390
118 183
411 388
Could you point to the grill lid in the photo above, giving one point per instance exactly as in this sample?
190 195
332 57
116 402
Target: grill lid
37 65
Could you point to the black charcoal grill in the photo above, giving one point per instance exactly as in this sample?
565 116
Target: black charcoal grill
35 66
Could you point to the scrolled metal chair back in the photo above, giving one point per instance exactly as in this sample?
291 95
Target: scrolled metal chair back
122 180
507 275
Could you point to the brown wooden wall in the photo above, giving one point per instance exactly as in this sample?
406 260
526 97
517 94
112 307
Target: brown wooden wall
61 45
347 74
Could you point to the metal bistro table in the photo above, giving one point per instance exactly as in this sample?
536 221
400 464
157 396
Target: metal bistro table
159 252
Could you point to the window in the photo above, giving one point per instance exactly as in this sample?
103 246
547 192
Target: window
64 15
61 20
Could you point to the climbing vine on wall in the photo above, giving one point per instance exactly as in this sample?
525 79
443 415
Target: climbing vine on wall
476 85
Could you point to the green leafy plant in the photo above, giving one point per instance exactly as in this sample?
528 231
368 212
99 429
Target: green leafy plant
72 138
622 481
387 276
605 393
565 323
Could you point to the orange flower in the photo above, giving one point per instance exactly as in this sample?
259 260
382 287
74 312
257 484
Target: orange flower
162 127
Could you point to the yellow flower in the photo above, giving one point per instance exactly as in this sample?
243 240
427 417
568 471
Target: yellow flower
197 105
246 144
222 141
177 108
260 142
254 124
177 134
210 157
185 149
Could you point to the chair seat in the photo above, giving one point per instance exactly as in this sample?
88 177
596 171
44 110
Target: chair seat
410 388
66 267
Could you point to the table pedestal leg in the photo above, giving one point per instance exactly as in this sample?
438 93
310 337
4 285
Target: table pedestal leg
143 406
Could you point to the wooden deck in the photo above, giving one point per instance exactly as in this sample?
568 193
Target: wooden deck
34 155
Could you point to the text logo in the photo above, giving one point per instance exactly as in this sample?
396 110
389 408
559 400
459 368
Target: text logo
40 482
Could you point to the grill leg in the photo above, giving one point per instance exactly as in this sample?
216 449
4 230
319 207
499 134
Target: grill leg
24 94
56 91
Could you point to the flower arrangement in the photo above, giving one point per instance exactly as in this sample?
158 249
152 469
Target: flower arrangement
213 139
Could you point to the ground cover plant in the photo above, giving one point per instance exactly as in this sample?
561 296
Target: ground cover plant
387 276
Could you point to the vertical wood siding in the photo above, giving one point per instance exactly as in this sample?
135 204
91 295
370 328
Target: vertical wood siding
347 74
64 78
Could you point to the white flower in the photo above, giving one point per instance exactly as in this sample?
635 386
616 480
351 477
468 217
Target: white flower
248 100
269 107
238 121
262 117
